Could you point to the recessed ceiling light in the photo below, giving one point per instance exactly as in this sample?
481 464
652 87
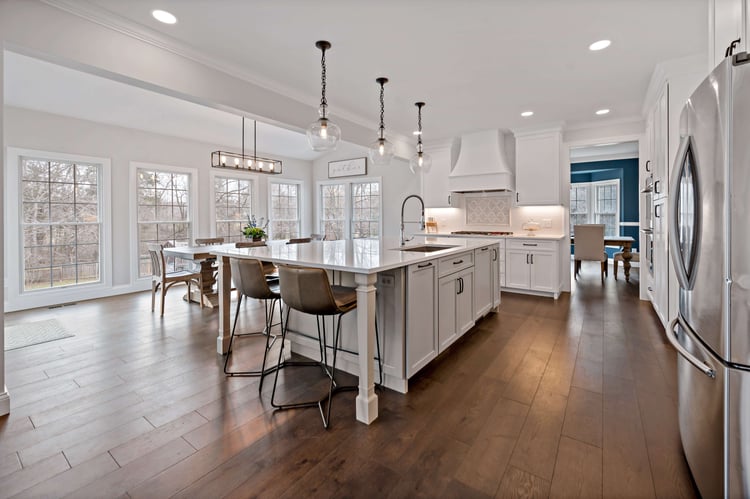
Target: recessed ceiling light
164 16
600 45
526 114
602 111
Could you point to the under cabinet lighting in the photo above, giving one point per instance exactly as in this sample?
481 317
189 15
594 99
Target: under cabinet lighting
164 17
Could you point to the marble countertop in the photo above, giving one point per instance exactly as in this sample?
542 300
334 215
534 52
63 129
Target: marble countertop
365 256
548 237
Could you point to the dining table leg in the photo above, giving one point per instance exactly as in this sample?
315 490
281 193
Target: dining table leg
367 400
225 295
627 255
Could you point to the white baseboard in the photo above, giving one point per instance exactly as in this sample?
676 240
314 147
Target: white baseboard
47 300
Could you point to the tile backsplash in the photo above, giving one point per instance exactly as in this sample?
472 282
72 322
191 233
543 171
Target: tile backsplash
488 210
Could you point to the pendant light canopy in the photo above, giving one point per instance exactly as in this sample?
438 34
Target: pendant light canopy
381 151
323 135
420 160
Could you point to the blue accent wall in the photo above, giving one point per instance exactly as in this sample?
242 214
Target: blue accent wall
627 171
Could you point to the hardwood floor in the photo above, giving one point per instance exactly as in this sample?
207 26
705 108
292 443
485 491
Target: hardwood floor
568 398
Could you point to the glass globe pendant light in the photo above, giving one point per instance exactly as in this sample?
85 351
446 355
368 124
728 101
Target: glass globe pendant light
420 160
323 135
381 151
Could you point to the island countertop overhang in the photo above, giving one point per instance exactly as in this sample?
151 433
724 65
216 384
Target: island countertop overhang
363 256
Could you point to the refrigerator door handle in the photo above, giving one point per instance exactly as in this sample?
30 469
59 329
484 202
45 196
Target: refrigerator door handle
674 205
672 337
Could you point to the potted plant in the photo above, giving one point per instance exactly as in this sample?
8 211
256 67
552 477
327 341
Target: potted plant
255 230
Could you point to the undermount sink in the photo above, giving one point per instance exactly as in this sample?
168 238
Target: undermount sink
426 248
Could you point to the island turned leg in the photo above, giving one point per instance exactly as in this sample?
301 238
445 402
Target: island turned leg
367 401
627 255
225 290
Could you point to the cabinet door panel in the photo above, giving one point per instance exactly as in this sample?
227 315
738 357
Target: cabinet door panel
465 302
543 272
538 157
660 262
483 282
517 269
421 337
447 290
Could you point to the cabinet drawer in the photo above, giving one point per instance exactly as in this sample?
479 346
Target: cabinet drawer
532 245
454 263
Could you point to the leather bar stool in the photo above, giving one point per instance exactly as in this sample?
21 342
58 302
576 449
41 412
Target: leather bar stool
250 279
308 290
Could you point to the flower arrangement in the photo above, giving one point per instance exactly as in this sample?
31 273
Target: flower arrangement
254 229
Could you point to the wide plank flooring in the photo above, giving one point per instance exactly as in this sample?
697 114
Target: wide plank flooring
573 397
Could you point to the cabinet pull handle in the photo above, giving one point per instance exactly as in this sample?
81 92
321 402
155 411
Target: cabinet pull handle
516 197
484 249
648 167
462 285
657 211
530 244
494 255
532 259
449 199
458 262
424 265
656 187
527 258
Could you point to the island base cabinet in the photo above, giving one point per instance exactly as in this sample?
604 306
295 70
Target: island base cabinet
484 282
456 307
421 311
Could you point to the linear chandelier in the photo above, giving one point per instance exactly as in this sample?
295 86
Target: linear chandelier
245 162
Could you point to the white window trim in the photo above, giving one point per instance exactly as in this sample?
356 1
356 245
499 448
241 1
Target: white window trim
133 197
347 182
591 199
300 201
15 297
254 179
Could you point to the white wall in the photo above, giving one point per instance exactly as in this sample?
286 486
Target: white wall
397 183
48 132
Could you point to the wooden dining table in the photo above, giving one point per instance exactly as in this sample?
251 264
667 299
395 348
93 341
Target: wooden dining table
626 242
206 259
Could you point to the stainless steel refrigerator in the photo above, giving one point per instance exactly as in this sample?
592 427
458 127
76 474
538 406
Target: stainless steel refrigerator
709 241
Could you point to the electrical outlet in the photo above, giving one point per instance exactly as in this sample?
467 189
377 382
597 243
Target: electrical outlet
386 281
546 223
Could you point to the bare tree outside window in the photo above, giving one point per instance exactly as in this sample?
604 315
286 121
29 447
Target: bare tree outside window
333 211
596 203
365 210
60 223
233 206
285 216
163 212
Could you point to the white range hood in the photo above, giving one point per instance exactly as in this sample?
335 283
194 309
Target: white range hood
481 165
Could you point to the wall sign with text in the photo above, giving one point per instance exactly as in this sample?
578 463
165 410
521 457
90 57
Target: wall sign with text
347 167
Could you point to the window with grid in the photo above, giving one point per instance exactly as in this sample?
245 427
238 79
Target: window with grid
606 209
163 212
333 211
365 210
578 206
61 223
596 203
233 201
285 215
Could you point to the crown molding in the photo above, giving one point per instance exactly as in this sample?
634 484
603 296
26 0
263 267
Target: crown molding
664 71
109 20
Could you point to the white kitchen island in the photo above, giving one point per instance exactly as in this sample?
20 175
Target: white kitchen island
360 260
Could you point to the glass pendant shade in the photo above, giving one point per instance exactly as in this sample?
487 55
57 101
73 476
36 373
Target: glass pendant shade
420 161
381 152
323 135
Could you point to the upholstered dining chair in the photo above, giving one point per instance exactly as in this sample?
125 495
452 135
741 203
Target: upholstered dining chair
589 245
161 279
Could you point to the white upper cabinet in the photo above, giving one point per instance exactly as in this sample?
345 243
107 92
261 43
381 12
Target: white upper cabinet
538 168
435 190
727 26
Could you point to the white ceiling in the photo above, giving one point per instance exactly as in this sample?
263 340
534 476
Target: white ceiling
42 86
476 63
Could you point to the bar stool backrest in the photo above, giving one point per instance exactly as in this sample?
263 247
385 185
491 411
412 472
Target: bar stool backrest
307 290
250 279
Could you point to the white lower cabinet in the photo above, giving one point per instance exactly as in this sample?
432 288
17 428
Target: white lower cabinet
456 306
484 282
532 265
421 312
